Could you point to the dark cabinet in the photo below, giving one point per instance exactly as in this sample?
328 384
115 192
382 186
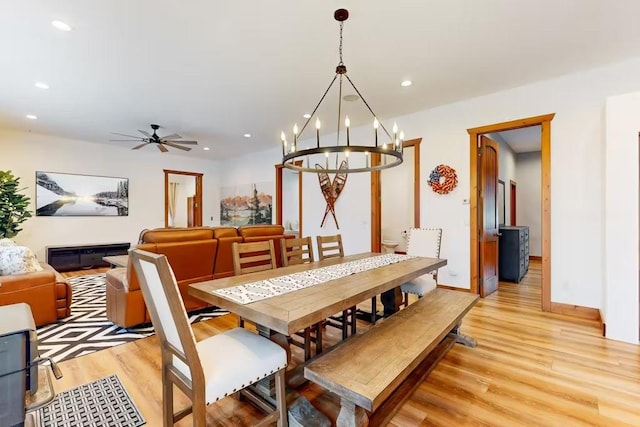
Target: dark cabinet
513 259
74 257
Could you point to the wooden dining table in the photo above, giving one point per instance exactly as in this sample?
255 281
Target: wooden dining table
279 317
293 311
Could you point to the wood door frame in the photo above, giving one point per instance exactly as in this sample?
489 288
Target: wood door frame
198 195
545 122
376 194
279 170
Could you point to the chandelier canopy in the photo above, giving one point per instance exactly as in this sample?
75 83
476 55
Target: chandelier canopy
320 157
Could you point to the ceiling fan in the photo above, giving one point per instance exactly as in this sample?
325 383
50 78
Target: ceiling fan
169 140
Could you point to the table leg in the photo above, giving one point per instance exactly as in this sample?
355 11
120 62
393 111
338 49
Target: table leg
461 338
351 415
391 300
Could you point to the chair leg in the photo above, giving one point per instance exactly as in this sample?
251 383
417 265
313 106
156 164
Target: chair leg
374 309
405 299
345 325
167 400
281 403
353 320
307 343
319 327
199 407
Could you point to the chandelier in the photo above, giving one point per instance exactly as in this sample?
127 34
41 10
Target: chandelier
379 153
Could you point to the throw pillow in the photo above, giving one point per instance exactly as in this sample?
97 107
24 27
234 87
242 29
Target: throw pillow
6 242
18 260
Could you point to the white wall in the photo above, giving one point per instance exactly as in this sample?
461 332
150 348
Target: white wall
529 202
25 153
621 218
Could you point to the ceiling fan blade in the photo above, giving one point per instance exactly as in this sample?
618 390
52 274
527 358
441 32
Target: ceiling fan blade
139 146
182 142
124 140
145 133
176 146
162 148
128 136
172 136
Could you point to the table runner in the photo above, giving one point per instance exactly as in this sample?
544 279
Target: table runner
263 289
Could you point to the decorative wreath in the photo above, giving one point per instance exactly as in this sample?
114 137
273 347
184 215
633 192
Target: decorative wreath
443 179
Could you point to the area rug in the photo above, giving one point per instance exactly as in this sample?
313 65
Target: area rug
87 329
101 403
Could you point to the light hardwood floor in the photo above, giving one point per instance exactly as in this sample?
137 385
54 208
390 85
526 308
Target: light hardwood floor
529 368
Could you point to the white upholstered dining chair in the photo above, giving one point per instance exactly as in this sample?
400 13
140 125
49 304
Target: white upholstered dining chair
213 368
422 242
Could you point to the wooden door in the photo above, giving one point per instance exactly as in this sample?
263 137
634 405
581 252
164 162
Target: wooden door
488 215
191 211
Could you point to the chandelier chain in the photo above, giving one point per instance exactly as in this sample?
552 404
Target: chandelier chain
340 48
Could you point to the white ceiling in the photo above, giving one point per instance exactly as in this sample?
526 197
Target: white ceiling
214 70
523 140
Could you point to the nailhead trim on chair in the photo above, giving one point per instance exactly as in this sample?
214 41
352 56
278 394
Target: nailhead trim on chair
257 379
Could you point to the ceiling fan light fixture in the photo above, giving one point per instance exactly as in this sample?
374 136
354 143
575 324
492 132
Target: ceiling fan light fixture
360 157
162 142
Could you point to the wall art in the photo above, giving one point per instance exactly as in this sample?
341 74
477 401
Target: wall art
65 194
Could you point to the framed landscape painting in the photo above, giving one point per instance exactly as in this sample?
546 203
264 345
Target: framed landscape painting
64 194
246 204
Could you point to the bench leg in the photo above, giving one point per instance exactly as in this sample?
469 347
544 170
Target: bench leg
461 338
351 415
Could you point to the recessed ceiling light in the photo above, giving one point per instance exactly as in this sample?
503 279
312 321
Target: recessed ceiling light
31 116
206 148
306 116
61 26
247 135
41 85
406 83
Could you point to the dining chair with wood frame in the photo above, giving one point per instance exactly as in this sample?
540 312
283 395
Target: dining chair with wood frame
213 368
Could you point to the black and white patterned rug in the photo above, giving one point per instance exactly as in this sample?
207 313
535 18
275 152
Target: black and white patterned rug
87 329
101 403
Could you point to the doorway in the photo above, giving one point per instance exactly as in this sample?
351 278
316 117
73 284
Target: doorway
475 225
289 199
182 199
376 194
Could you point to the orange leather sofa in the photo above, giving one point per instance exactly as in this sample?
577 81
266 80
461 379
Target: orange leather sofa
46 292
195 255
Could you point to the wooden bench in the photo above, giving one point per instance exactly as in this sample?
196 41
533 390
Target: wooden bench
378 370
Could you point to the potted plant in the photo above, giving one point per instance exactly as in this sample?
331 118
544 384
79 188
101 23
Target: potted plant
13 206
